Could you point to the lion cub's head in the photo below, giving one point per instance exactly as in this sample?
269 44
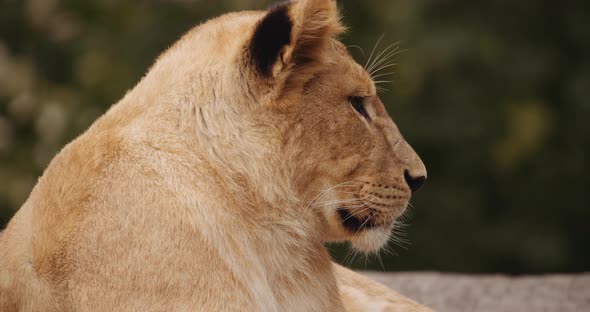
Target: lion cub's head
348 152
282 103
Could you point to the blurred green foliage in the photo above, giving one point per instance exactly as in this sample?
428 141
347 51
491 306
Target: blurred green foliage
494 95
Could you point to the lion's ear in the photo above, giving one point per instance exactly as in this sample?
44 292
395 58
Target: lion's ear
293 33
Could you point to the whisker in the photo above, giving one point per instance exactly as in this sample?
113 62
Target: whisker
381 89
354 255
373 51
383 74
364 222
404 218
350 257
359 48
352 205
381 54
387 57
344 261
384 56
378 254
383 60
323 193
401 242
361 204
356 213
389 250
344 192
336 202
387 65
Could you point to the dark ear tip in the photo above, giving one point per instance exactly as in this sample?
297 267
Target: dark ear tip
277 4
272 33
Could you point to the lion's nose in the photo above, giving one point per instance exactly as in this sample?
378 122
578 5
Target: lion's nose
414 182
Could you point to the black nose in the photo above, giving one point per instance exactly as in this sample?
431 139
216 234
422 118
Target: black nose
415 183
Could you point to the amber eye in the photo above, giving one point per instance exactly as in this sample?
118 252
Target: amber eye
358 104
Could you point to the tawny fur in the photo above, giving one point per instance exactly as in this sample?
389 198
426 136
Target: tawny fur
198 191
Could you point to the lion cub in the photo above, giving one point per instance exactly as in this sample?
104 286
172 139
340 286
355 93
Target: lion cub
214 183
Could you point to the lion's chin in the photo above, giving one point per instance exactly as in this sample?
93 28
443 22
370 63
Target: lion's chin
371 240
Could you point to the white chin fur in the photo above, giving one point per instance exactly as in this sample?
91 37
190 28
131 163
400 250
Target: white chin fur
371 240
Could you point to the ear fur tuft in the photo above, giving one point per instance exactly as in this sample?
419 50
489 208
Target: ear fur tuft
316 22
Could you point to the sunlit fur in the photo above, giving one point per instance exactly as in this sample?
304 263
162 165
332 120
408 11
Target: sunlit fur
205 188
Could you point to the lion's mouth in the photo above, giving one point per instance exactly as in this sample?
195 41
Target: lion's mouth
355 223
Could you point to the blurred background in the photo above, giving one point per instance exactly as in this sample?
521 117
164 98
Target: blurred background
494 95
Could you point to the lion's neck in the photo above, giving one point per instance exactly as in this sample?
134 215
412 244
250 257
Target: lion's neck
275 244
270 248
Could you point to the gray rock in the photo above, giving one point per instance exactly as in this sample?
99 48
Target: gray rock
456 292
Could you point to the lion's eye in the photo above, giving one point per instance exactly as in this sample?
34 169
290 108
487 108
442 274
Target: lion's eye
358 103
